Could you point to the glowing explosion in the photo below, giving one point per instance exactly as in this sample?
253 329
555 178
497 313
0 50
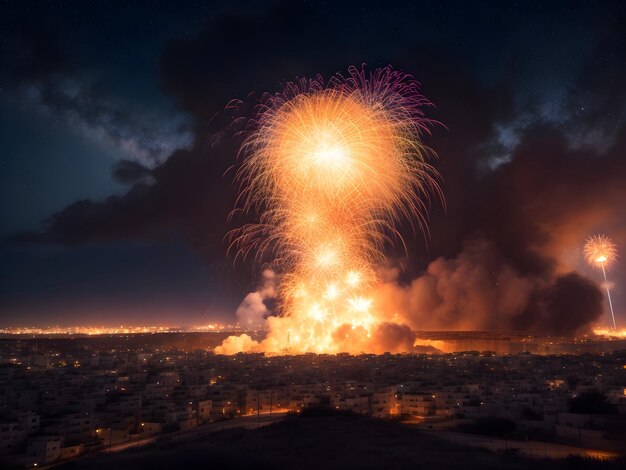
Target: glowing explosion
600 252
331 168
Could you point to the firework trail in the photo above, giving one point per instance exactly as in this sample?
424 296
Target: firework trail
600 252
331 167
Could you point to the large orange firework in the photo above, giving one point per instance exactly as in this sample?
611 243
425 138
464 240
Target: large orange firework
600 252
331 168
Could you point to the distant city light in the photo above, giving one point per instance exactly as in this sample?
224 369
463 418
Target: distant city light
117 330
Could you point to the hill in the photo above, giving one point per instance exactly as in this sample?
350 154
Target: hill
318 441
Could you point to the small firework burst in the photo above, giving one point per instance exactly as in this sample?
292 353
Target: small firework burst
600 251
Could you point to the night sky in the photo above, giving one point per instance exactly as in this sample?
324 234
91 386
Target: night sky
117 153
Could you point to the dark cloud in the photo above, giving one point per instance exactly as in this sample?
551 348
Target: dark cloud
588 107
40 69
135 132
480 290
541 206
33 54
597 102
192 191
526 222
571 303
187 195
264 49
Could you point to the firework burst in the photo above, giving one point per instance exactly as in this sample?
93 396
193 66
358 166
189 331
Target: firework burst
600 252
331 167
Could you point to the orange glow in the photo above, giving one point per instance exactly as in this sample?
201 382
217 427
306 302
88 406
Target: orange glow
115 330
610 332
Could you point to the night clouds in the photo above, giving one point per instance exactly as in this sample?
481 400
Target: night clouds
532 158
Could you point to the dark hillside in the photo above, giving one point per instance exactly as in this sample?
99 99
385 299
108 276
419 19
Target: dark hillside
316 442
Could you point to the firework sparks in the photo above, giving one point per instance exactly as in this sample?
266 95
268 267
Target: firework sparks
331 168
600 252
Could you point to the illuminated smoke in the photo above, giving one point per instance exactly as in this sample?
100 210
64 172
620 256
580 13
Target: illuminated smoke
252 311
480 290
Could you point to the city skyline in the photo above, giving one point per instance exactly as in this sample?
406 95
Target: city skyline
82 402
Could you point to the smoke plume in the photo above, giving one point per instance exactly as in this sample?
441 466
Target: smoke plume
479 290
252 311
